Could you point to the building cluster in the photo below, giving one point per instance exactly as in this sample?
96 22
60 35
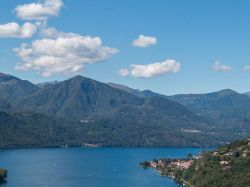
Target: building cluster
180 164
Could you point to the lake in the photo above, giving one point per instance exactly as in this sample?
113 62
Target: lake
86 167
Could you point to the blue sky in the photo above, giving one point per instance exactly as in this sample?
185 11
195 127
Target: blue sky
193 34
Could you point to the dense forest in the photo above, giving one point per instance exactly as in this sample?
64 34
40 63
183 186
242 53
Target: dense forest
81 111
228 166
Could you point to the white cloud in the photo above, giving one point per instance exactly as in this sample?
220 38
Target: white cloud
62 55
246 68
39 11
150 70
13 30
144 41
124 72
50 32
218 66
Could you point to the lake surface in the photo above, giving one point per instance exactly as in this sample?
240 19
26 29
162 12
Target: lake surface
86 167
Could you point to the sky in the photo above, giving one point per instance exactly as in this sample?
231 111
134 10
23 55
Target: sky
167 46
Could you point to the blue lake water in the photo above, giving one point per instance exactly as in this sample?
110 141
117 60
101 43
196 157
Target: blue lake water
86 167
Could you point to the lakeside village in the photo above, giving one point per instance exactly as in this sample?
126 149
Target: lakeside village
181 170
169 167
172 168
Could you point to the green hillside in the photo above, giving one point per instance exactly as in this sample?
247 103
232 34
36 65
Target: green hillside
227 166
81 111
227 109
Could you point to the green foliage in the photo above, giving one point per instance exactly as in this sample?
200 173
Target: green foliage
3 174
209 172
228 166
37 130
49 115
228 110
145 164
12 88
110 116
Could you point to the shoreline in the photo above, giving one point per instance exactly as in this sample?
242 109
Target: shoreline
99 146
171 168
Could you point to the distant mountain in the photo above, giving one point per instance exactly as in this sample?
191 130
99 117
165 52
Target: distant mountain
157 122
91 112
124 88
111 116
12 88
247 93
45 84
78 98
139 93
227 108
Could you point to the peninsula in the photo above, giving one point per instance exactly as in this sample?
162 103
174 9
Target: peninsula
227 166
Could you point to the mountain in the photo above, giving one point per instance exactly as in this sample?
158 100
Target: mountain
226 108
124 88
13 88
78 98
139 93
157 122
5 106
108 116
29 130
38 130
45 84
247 93
81 97
83 111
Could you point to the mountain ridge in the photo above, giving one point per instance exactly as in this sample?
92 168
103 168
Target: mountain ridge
107 115
120 118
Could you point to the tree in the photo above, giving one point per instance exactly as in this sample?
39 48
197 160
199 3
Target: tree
3 174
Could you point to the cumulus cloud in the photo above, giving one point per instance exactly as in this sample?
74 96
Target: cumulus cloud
150 70
51 32
39 11
13 30
65 54
144 41
218 66
246 68
124 72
